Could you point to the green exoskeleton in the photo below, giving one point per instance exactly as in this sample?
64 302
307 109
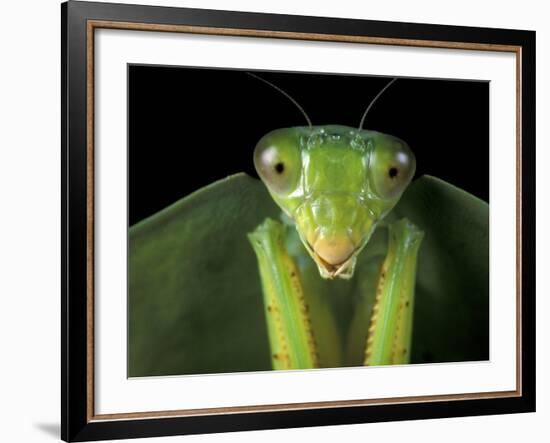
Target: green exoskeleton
335 184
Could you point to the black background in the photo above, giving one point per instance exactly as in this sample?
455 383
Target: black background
189 127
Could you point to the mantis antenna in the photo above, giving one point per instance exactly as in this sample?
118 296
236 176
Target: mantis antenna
286 95
374 101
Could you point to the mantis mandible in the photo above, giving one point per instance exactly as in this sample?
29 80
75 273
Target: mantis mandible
334 185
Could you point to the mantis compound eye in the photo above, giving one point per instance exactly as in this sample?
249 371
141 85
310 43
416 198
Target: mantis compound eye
391 167
277 161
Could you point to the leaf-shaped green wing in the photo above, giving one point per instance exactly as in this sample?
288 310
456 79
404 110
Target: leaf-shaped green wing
194 297
451 320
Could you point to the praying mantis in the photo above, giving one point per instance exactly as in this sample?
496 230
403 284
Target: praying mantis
335 186
196 302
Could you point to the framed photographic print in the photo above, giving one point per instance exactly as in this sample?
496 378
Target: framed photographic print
279 221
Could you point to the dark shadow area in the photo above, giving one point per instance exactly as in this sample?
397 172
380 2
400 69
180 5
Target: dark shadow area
50 429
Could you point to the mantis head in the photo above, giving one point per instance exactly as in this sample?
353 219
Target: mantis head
335 182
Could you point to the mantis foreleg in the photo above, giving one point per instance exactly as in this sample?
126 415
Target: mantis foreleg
290 334
390 331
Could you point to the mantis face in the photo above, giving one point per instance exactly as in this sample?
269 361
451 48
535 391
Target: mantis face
336 183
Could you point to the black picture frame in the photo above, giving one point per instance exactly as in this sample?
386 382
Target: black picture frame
77 419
